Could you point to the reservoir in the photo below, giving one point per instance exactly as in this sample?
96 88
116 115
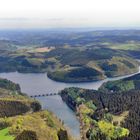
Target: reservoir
39 83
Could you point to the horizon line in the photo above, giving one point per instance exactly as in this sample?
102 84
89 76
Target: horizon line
75 28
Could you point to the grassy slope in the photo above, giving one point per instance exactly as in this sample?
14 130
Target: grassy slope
21 115
44 123
4 134
126 46
120 118
131 48
125 84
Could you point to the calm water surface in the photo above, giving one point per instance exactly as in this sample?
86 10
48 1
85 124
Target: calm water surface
34 84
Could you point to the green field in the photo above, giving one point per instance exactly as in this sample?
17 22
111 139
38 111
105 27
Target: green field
4 135
129 46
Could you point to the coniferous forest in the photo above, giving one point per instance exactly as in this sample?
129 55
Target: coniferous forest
104 106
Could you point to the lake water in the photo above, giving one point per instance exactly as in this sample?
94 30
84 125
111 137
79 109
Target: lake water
34 84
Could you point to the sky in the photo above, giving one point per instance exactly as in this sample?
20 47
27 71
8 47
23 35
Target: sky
19 14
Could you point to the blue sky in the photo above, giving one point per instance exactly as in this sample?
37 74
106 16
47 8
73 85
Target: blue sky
69 13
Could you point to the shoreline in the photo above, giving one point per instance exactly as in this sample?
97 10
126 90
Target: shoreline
74 81
63 85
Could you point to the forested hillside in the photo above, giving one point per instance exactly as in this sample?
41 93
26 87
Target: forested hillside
106 115
21 117
71 56
70 64
125 84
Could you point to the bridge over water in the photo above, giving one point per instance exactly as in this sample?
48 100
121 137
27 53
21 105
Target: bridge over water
42 95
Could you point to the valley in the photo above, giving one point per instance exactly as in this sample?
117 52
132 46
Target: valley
95 72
